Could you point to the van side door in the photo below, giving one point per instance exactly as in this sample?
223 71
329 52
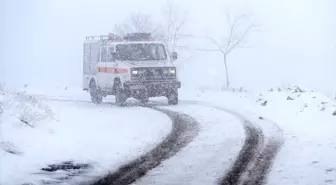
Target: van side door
102 70
111 67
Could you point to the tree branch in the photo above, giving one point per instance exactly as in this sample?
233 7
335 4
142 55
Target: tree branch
237 44
232 29
219 47
137 22
175 23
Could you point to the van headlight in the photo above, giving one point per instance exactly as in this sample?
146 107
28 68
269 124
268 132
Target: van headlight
135 72
172 71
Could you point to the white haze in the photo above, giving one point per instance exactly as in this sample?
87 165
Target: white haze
41 41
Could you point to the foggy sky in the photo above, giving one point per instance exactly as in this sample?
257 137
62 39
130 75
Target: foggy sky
41 40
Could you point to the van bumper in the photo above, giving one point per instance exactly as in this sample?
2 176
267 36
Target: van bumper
153 89
153 85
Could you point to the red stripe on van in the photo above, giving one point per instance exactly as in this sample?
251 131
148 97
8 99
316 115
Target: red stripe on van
112 70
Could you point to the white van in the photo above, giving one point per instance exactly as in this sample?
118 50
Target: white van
131 66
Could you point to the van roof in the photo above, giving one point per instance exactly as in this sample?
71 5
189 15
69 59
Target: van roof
124 42
138 42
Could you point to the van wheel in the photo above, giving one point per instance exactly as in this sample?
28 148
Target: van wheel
144 100
120 97
95 93
172 97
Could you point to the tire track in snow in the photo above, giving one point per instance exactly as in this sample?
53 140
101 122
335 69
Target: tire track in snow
253 138
185 129
262 164
255 160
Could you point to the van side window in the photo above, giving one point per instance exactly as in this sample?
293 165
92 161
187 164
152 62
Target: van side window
110 55
103 54
98 56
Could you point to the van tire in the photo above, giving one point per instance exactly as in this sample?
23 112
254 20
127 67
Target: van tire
120 96
144 100
172 97
95 93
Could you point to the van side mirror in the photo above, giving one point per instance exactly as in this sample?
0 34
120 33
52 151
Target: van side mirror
174 56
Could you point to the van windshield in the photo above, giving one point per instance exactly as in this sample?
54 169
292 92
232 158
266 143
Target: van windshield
140 52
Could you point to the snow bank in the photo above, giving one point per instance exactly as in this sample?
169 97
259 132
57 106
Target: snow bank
98 137
309 124
18 110
24 107
298 101
23 121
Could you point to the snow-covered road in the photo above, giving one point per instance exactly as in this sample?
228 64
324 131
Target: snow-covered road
184 130
205 160
229 149
140 145
208 156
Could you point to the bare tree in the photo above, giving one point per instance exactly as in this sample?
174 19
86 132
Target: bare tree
237 37
137 22
170 30
175 23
